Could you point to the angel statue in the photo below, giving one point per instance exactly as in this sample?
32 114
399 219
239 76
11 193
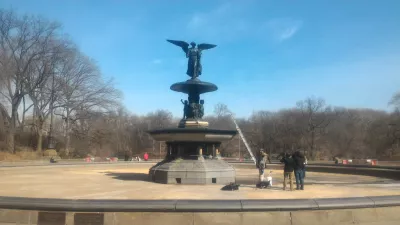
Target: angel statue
193 54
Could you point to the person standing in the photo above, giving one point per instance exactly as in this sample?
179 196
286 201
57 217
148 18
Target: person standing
288 170
299 169
262 164
146 156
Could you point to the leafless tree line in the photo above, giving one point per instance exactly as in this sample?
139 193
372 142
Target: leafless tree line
41 71
321 131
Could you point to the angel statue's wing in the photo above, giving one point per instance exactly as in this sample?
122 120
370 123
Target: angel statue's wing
182 44
205 46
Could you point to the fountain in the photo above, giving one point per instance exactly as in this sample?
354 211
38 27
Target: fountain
193 155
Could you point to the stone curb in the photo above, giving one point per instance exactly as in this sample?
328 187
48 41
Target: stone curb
82 205
357 166
75 164
391 173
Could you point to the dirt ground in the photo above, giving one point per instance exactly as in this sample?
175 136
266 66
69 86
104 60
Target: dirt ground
130 181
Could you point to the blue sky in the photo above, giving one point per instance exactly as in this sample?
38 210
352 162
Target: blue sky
270 54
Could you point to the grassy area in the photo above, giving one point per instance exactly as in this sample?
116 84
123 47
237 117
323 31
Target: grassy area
20 155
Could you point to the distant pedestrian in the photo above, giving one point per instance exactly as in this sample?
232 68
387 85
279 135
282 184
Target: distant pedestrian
299 169
336 159
288 170
146 156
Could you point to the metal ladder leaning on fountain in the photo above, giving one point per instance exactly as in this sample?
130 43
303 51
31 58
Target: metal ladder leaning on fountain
243 138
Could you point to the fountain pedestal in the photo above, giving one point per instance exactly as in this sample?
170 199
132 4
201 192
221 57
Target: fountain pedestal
193 148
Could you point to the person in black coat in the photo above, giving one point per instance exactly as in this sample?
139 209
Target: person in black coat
288 170
299 168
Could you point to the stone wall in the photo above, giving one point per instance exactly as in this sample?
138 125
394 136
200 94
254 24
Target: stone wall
381 216
362 210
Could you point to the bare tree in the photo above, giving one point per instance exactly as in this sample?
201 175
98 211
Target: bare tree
25 109
393 125
23 41
264 130
221 110
395 101
221 118
317 116
160 119
81 91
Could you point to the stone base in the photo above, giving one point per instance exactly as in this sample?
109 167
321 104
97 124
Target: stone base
192 171
192 123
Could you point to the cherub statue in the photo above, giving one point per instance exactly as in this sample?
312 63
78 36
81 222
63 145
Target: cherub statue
185 108
201 109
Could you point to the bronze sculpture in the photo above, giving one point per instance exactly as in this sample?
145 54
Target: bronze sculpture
192 140
193 54
185 108
193 110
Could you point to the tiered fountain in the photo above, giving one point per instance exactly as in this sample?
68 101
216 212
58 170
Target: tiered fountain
192 148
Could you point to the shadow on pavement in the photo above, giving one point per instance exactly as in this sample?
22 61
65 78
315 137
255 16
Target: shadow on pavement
129 176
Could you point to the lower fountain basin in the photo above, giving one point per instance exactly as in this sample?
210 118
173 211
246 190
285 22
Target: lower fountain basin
189 171
192 156
192 134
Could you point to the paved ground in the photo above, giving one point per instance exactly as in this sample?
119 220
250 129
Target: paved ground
130 181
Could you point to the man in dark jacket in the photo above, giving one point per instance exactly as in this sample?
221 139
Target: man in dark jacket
288 170
299 169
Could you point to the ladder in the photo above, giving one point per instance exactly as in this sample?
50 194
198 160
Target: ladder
243 138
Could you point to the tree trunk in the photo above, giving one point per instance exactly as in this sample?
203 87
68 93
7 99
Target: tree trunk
8 129
67 134
22 125
312 154
39 126
11 131
10 141
67 143
39 141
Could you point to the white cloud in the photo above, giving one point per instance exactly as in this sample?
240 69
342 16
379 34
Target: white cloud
231 21
283 28
157 61
196 21
225 21
288 33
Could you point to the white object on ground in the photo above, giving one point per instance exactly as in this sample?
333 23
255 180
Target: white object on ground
269 178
